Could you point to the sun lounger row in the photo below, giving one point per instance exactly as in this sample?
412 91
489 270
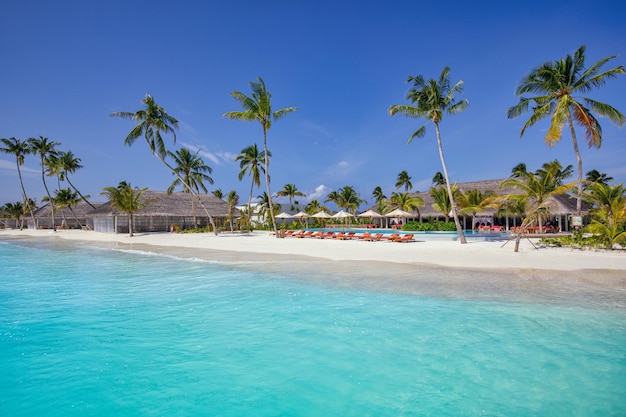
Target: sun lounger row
370 237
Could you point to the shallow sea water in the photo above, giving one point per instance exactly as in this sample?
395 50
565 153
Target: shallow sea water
119 331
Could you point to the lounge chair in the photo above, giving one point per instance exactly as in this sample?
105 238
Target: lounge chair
347 236
304 234
405 238
364 236
340 235
375 237
327 235
391 237
317 235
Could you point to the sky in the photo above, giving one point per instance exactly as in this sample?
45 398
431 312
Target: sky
67 65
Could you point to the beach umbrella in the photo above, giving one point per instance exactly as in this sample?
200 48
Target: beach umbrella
371 214
397 213
302 215
322 215
342 215
283 216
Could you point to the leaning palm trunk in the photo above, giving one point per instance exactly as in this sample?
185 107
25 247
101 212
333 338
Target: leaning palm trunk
26 199
449 188
78 192
250 208
267 183
579 196
191 190
43 178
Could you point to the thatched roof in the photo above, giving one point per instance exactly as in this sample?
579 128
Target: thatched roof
82 209
562 204
160 203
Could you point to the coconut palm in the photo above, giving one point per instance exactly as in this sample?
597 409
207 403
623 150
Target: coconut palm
610 200
15 211
439 179
232 200
291 191
251 162
404 180
264 206
555 171
345 198
218 193
257 107
431 99
152 122
558 84
66 198
475 201
441 200
519 170
20 149
191 170
406 202
127 199
536 188
378 194
44 148
595 176
67 163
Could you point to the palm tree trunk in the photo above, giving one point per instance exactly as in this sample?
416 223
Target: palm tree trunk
267 183
459 229
579 197
26 202
67 178
250 208
43 179
130 224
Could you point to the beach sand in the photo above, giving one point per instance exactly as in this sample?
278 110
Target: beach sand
442 268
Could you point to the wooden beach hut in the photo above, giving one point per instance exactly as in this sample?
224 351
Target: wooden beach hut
75 218
162 212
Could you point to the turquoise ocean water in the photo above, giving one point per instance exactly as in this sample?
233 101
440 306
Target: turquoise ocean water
87 331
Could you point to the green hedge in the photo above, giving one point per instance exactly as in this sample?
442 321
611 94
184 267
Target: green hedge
430 225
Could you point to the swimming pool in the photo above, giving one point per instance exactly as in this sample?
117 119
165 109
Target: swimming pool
110 331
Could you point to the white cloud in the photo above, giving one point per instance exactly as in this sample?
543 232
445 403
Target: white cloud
216 158
320 193
10 166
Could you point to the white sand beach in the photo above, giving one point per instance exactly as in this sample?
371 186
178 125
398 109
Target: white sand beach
443 253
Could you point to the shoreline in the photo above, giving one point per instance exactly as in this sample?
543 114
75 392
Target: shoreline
476 271
436 253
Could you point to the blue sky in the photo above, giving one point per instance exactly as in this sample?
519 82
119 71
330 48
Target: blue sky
68 64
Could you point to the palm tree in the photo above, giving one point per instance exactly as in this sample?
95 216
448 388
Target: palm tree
519 170
609 216
535 189
232 200
431 100
378 194
406 202
475 201
190 169
404 180
557 83
257 107
15 211
20 149
65 197
291 191
441 200
439 179
68 164
127 199
555 171
346 198
218 193
264 206
44 148
152 121
251 162
595 176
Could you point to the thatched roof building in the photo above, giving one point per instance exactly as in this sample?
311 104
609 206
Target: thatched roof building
74 218
562 205
162 211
